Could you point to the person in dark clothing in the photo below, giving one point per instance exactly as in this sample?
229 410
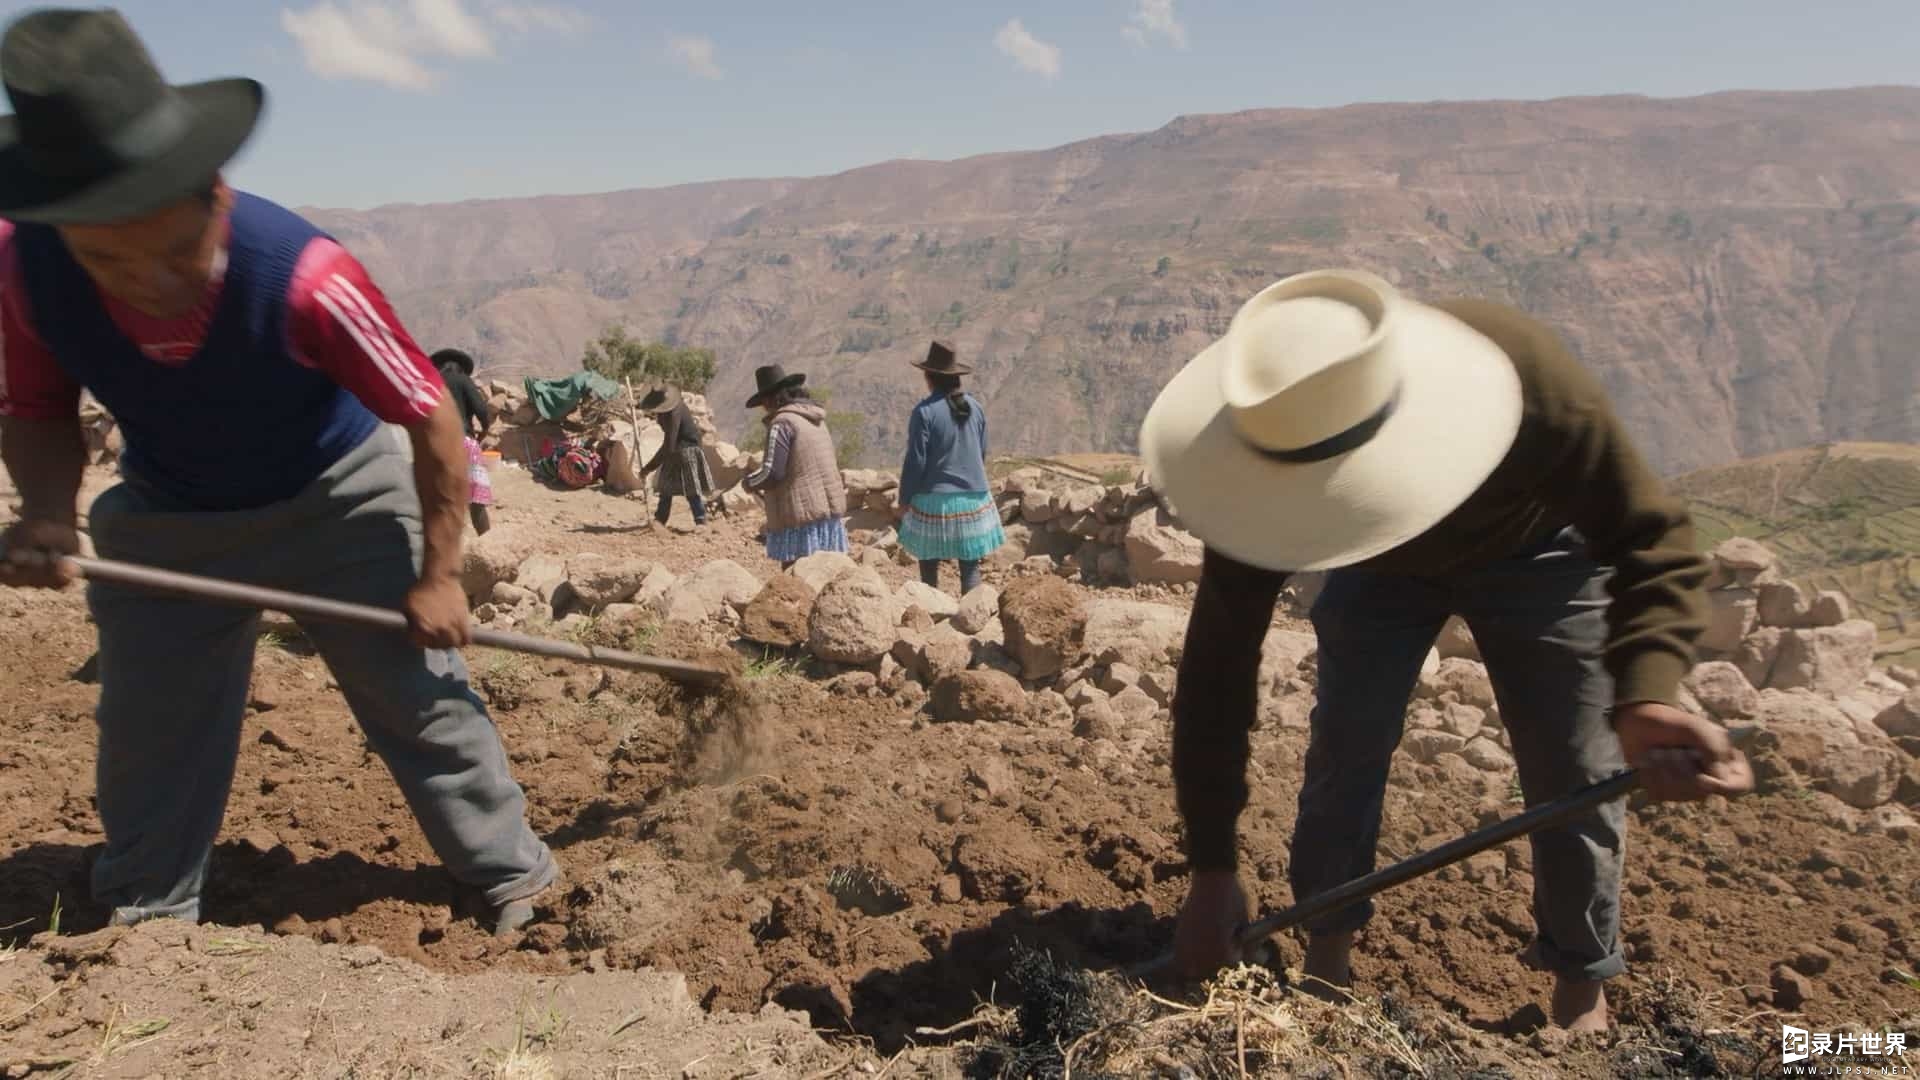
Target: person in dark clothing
681 460
456 368
1438 459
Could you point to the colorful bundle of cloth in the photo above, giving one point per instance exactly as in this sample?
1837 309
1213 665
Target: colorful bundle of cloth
570 463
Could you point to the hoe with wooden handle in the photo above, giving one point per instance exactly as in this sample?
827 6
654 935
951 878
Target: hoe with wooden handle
1549 813
229 592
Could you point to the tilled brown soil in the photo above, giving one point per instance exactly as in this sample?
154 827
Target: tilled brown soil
836 855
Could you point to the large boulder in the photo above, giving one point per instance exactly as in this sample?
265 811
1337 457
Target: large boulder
1136 711
820 568
716 592
1425 745
1078 502
654 586
1159 553
1457 641
1832 660
943 651
939 604
1045 623
1146 636
1036 506
1745 561
1722 690
977 609
1783 604
1020 480
1828 608
1466 679
1756 655
1812 737
1863 777
493 558
597 581
1732 615
855 619
1284 651
542 575
780 615
1902 718
979 696
727 464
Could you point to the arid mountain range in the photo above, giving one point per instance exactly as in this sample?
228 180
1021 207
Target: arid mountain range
1743 269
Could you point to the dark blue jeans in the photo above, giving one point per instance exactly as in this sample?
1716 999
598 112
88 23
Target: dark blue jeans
694 504
969 574
1539 619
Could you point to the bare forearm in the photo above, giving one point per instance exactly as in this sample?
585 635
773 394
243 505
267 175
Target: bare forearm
440 474
46 459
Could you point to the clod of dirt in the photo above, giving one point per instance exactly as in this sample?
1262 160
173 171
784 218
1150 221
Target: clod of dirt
778 615
983 696
1811 960
1791 990
1045 621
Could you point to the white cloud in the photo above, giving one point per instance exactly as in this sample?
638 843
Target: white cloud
451 28
337 47
1155 18
695 54
554 18
1029 53
387 41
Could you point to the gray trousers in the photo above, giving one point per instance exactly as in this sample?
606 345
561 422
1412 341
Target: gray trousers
1539 619
174 676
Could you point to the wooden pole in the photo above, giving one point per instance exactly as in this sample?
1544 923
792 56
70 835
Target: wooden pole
316 607
633 418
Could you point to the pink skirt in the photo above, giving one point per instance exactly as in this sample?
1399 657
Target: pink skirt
479 481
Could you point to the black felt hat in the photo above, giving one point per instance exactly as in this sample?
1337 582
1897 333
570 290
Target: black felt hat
942 361
455 357
770 380
97 135
660 399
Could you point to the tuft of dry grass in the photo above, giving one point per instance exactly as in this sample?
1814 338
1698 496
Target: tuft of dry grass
1245 1022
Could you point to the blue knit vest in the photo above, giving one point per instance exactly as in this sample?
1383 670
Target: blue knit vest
242 423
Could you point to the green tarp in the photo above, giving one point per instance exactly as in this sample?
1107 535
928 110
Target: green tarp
555 398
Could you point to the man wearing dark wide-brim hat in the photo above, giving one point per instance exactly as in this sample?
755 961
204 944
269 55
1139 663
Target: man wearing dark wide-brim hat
255 370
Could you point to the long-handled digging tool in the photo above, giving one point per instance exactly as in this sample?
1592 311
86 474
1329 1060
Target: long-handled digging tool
1548 813
229 592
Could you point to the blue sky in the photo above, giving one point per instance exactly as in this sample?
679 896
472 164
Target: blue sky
382 101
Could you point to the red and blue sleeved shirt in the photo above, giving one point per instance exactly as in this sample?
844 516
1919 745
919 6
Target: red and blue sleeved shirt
338 322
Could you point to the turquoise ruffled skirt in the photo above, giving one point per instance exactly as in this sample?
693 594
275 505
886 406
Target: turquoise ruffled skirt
963 525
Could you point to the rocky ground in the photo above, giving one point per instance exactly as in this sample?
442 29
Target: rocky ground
906 831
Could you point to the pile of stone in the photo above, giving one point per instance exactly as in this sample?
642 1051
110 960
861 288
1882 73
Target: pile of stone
1065 524
1044 652
1802 668
1104 534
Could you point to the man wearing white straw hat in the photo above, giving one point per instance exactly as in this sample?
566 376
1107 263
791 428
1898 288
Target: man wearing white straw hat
1441 459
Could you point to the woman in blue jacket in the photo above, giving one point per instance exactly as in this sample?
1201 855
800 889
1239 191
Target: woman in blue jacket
946 509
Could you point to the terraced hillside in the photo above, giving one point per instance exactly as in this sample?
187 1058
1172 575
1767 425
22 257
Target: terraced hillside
1843 516
1738 268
